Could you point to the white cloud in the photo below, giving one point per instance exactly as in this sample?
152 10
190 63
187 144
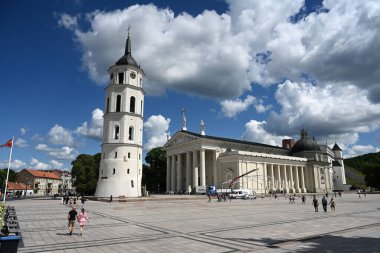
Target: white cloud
23 130
63 153
60 136
156 129
256 131
15 164
21 143
67 21
56 164
230 108
357 150
37 138
38 165
95 130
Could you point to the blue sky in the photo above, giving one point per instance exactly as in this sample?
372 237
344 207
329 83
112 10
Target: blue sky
253 70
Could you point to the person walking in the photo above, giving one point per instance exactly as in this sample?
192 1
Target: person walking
332 205
82 219
315 203
71 217
303 199
324 204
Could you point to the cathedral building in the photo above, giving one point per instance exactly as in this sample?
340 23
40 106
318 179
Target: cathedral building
120 168
195 161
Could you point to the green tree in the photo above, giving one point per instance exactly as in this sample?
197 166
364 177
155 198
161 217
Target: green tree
154 174
3 176
85 172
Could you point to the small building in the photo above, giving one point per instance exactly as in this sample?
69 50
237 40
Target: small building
19 189
42 182
66 188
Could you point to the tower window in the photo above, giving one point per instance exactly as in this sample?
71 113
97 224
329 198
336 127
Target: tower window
130 137
117 130
121 78
129 155
132 184
127 171
111 76
115 155
114 171
132 104
108 105
118 103
140 82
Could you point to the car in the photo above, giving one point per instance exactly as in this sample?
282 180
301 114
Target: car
241 194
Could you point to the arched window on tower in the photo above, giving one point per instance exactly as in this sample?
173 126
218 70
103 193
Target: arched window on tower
108 105
130 136
132 184
132 104
118 103
121 78
117 131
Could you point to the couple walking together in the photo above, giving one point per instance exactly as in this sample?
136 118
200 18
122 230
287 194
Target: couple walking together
82 218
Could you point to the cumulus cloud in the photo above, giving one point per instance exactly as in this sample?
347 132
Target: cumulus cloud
357 150
38 165
60 136
21 143
67 21
156 130
63 153
37 138
256 131
55 164
95 128
23 130
15 164
230 108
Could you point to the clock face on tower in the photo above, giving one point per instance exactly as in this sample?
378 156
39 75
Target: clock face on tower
133 75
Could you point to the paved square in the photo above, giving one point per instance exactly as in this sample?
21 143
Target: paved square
166 224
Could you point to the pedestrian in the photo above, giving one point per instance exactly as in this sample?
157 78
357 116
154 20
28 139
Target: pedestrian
71 217
359 193
83 200
290 199
315 203
324 204
303 199
332 205
340 194
209 197
365 193
82 219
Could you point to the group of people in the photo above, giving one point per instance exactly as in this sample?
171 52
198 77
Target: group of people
324 201
73 216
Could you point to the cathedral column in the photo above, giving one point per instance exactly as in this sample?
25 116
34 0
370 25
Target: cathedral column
172 177
202 167
303 180
215 156
168 174
286 187
272 176
195 168
279 177
297 180
265 177
179 173
291 188
188 172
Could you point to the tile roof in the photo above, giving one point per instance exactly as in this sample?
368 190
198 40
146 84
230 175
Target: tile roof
18 186
43 174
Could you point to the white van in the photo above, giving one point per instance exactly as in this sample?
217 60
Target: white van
241 194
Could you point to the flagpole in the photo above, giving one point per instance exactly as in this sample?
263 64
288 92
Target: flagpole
9 165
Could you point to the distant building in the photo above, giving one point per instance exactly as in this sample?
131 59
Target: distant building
42 182
19 189
66 188
197 160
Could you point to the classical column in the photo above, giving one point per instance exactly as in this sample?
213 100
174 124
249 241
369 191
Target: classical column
172 177
291 188
286 186
303 180
297 180
195 168
215 156
168 174
265 177
188 172
179 173
272 176
279 177
202 167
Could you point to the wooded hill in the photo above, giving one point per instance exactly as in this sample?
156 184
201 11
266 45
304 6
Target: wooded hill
367 165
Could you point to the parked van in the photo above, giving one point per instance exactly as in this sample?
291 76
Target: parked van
241 194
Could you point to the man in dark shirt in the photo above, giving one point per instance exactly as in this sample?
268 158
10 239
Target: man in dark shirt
72 216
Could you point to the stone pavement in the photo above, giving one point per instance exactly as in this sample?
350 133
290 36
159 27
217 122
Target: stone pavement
195 225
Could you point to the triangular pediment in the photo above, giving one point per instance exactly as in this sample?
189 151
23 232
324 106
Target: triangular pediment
180 138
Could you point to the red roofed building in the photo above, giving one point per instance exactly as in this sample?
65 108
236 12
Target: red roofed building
42 182
19 189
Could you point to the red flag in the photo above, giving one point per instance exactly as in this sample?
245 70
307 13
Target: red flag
8 144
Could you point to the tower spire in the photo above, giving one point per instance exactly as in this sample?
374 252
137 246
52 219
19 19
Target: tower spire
128 43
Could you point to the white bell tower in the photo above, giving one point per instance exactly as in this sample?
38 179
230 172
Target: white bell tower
120 169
